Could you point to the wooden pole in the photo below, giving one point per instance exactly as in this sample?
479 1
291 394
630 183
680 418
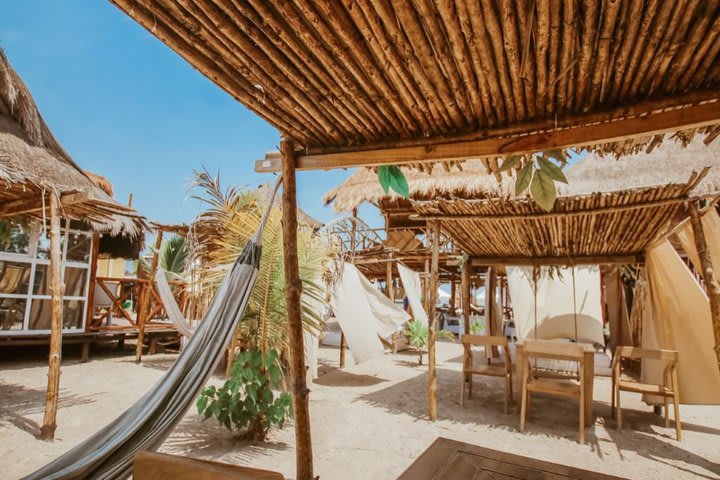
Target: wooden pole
432 301
465 286
425 283
452 311
145 304
391 296
90 310
490 320
293 289
343 347
710 280
57 290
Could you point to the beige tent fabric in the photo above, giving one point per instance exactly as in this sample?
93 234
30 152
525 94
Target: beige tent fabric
364 313
679 319
617 312
555 316
711 227
413 290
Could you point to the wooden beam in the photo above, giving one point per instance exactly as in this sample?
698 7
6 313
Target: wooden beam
35 203
293 289
630 259
57 290
143 316
709 279
432 302
581 130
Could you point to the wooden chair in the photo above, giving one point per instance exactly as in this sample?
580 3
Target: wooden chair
668 389
491 370
161 466
533 382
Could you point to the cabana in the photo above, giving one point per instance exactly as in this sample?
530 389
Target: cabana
392 83
56 220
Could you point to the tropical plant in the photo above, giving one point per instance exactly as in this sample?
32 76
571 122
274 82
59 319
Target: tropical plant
538 171
173 256
246 400
218 236
417 334
477 327
391 176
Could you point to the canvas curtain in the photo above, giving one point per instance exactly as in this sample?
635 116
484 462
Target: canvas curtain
413 291
363 313
555 315
678 318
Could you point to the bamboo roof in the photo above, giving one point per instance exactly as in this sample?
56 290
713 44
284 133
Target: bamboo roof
670 162
589 228
33 163
412 81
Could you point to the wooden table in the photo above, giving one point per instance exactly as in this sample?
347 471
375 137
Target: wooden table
448 459
589 376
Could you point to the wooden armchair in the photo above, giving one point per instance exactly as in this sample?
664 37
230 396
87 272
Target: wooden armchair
497 370
532 380
668 389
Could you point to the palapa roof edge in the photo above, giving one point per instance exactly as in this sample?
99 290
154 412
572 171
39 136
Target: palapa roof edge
32 161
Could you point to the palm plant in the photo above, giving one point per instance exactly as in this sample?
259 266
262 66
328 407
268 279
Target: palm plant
219 234
173 257
417 335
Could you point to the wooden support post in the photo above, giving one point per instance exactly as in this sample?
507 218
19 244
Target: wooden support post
491 326
425 283
452 311
90 310
343 346
57 290
465 286
293 288
709 278
145 305
432 301
391 296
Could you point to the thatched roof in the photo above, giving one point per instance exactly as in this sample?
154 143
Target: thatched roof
32 163
667 163
344 77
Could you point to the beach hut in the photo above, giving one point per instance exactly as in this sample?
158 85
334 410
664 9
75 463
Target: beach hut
55 220
393 83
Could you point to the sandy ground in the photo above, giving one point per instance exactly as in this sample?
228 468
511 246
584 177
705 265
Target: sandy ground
368 420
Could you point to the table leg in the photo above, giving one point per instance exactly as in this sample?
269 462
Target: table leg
589 379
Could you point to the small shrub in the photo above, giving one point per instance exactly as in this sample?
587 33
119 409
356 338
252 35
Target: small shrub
417 337
246 400
476 327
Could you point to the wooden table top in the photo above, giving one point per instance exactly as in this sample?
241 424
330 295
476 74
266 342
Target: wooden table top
448 459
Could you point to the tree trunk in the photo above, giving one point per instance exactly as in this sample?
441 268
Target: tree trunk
293 289
710 280
145 305
57 290
432 301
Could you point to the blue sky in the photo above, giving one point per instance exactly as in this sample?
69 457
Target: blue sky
127 107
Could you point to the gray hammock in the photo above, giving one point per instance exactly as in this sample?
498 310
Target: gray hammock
109 453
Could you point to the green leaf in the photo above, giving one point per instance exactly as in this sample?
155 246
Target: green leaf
543 190
556 154
384 177
524 177
510 162
398 182
552 170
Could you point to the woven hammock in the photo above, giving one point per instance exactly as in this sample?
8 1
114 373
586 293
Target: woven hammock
109 453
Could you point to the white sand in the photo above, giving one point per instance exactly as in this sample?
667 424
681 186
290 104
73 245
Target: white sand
368 420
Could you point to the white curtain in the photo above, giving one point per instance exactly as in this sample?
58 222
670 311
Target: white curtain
363 313
555 315
413 290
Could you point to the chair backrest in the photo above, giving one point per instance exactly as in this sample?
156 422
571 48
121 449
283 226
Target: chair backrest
671 356
487 340
554 350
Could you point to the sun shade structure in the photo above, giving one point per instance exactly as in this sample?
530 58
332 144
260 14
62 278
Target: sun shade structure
448 80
